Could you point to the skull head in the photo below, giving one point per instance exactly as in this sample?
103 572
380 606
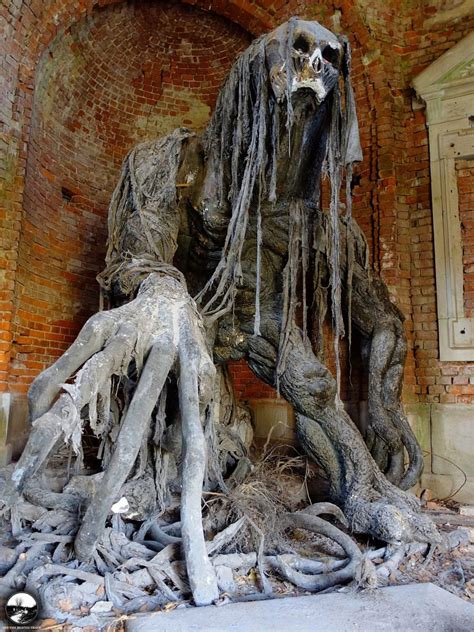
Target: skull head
311 55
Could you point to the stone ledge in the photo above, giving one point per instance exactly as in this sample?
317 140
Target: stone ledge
411 608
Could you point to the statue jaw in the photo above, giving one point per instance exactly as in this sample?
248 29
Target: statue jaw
315 85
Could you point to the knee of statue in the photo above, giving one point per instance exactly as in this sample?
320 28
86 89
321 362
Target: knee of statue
324 387
318 381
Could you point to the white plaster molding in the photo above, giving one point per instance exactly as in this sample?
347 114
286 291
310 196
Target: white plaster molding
5 448
446 436
436 76
447 87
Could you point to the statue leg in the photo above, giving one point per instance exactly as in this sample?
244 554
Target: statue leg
380 324
328 435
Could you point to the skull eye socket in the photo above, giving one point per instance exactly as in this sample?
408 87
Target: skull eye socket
301 45
331 55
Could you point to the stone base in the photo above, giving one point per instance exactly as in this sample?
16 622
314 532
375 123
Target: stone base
5 454
14 426
5 446
273 418
446 486
411 608
19 429
446 435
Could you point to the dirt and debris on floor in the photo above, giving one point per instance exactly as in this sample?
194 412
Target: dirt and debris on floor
279 485
451 569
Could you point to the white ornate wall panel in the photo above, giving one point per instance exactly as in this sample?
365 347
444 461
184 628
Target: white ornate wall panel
447 88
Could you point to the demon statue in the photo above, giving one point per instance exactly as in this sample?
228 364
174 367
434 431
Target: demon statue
216 243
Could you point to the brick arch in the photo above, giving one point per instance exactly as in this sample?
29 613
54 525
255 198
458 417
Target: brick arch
33 25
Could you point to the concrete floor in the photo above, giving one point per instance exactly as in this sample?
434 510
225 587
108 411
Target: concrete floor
411 608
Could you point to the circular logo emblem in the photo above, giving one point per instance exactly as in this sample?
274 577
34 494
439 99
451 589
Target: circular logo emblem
21 608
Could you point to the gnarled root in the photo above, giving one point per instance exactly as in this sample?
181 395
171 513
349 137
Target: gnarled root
311 576
305 573
370 502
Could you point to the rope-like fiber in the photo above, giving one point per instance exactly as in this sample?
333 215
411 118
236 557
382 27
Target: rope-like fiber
143 216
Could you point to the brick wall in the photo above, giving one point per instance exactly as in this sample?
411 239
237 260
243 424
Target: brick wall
465 177
83 81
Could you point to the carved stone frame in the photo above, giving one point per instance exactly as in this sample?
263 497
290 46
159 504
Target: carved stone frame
447 88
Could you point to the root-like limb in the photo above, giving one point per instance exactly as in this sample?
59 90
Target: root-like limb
129 440
369 501
91 339
144 337
201 574
379 322
63 418
388 443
